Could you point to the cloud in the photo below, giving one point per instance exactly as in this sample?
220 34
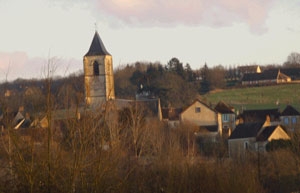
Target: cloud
214 13
17 64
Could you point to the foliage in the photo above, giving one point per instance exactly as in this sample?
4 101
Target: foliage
123 85
204 74
278 144
155 80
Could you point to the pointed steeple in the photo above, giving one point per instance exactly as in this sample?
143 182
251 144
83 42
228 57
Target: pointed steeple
97 47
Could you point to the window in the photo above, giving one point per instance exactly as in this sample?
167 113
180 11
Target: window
294 120
225 117
286 120
197 109
246 145
96 68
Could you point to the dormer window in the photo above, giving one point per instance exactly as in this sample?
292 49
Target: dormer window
96 68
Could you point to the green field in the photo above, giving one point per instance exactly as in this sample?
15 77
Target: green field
261 97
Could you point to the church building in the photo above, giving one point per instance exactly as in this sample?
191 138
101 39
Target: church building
98 74
99 83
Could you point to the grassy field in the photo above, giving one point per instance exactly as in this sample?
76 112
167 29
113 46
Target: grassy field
258 97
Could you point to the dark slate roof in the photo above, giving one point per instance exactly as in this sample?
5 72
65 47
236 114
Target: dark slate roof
289 111
294 73
171 113
260 115
97 47
223 108
266 133
246 130
265 75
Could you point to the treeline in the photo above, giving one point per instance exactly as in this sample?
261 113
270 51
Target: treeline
66 92
175 83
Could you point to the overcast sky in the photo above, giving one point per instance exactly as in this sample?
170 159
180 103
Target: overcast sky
226 32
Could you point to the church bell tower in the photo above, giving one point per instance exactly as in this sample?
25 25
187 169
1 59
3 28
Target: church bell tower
98 74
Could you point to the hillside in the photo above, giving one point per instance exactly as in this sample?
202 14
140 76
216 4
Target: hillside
258 97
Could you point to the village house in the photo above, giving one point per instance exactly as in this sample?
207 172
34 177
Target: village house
259 115
253 137
218 121
290 119
269 133
243 138
226 118
293 73
14 119
199 114
248 69
265 78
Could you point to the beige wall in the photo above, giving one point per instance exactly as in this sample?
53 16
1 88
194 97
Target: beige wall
110 86
237 148
98 89
206 116
279 133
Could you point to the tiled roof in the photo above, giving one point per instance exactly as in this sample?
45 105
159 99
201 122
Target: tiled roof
266 133
223 108
97 47
246 130
289 110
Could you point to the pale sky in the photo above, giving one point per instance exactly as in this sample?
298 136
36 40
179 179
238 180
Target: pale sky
226 32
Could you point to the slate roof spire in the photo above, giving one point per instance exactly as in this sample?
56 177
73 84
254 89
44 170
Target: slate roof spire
97 47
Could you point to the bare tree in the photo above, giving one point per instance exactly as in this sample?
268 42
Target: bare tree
293 60
217 77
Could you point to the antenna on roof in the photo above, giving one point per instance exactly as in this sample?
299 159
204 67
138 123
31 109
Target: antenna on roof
96 26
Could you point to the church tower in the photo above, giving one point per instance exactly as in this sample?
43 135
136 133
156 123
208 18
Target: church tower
98 74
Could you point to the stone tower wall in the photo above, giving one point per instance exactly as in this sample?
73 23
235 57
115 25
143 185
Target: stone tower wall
99 84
